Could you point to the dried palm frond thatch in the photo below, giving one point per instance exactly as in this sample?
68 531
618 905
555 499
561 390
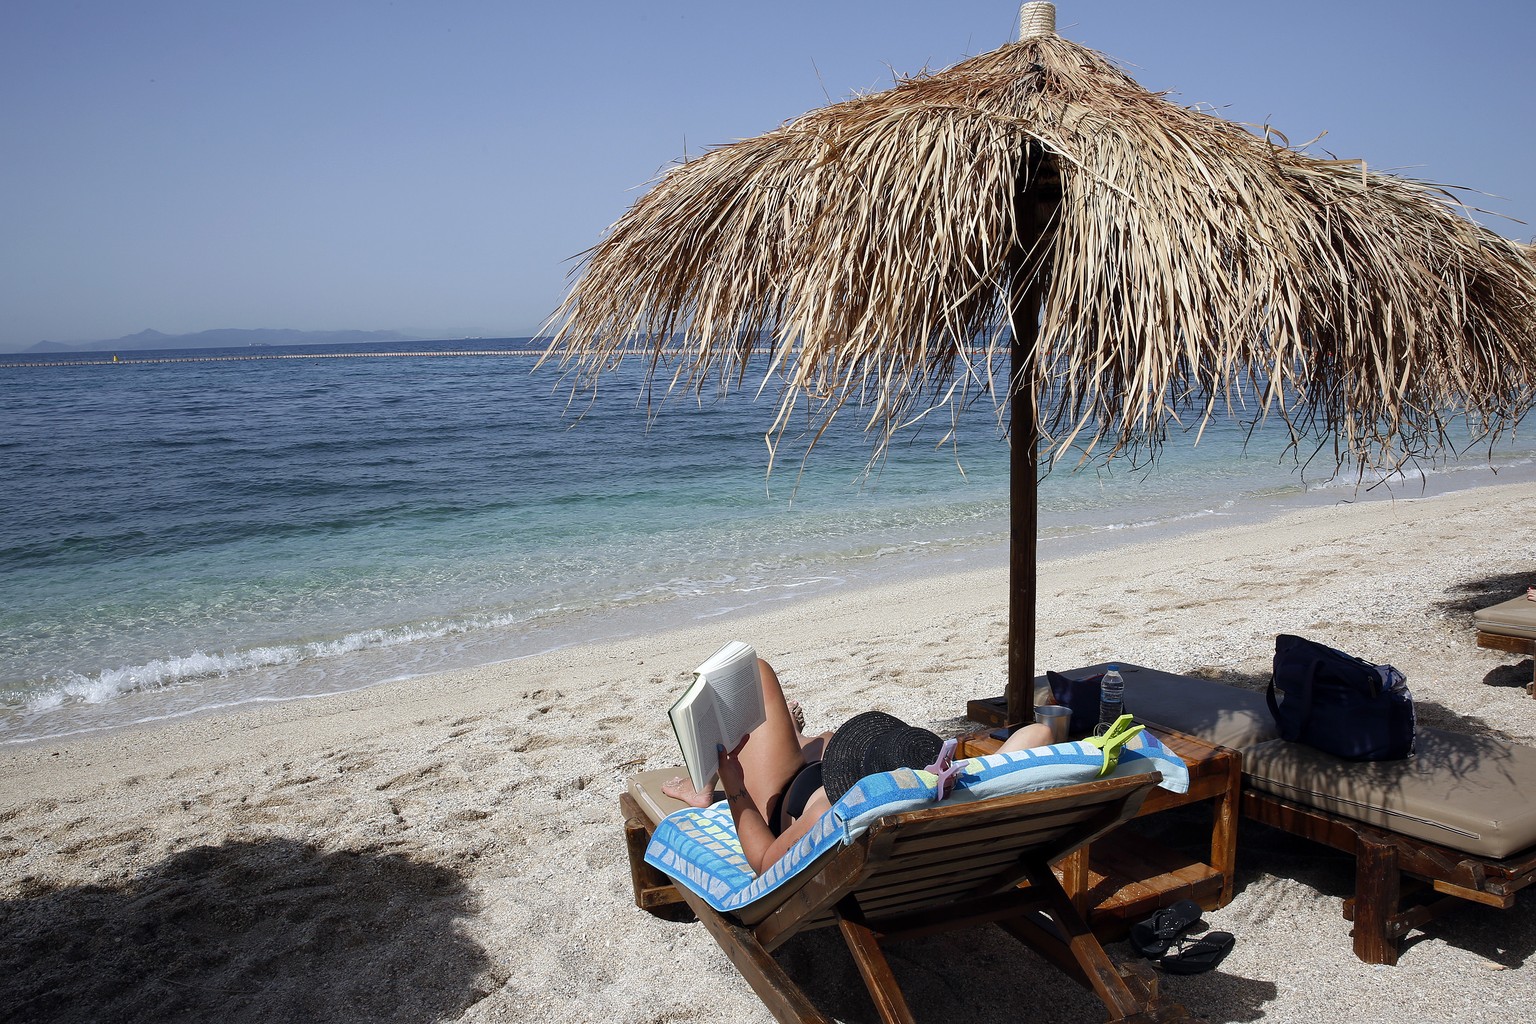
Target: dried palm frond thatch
870 246
887 251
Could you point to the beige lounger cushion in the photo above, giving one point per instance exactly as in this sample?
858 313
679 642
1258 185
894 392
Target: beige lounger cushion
645 787
1221 715
1466 792
1512 618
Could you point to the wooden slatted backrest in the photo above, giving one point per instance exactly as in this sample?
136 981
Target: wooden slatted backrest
908 862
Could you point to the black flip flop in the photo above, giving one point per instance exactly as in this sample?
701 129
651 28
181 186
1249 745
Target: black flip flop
1198 955
1152 937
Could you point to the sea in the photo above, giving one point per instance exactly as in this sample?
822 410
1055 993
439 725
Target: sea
190 530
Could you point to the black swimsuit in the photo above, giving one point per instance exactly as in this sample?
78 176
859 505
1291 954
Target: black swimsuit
790 802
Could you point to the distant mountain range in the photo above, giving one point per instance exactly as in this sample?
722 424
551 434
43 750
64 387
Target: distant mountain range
228 337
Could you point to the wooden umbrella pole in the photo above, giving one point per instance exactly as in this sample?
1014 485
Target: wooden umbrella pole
1039 203
1023 499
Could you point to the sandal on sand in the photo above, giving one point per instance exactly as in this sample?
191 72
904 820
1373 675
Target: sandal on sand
1198 955
1152 937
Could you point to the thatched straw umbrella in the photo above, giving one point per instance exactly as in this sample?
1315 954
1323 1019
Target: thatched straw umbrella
1032 226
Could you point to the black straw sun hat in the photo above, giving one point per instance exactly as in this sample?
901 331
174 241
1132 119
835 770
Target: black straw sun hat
874 742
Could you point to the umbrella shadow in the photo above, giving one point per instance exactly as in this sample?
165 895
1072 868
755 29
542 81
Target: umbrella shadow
1231 677
246 931
1472 595
1428 714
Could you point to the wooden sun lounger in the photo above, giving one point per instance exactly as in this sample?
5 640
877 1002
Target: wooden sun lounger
1453 823
1401 883
927 871
1509 627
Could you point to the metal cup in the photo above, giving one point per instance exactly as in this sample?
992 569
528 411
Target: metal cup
1057 717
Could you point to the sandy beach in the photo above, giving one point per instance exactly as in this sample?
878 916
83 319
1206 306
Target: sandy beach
448 847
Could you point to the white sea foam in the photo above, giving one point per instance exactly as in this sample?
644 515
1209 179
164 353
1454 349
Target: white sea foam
199 666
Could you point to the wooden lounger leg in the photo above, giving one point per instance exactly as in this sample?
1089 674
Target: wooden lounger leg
1224 831
1378 892
1097 968
784 999
864 944
1384 911
654 891
1074 878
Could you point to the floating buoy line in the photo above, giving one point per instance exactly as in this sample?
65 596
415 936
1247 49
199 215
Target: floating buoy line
130 361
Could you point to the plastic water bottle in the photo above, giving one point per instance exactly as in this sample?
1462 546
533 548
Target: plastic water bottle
1111 698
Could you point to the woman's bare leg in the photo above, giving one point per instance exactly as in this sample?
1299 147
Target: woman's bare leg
776 749
1032 735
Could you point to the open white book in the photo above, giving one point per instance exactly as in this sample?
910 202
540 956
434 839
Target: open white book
723 704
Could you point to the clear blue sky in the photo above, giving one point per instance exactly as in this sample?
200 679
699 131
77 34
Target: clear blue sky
436 164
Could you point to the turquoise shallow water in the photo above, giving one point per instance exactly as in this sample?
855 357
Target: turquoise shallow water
177 536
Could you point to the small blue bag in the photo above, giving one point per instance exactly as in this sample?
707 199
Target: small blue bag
1339 703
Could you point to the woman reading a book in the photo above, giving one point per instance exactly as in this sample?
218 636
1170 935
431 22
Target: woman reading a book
778 780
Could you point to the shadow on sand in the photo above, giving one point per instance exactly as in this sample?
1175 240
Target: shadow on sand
984 976
1506 938
1469 596
1472 595
272 930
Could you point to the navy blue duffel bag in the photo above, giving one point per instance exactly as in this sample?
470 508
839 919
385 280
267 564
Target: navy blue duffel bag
1339 703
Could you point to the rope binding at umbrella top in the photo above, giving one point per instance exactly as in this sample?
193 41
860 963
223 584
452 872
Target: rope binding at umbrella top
1037 19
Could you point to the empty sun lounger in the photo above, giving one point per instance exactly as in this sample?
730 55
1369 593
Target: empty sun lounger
1215 713
1454 822
921 870
1509 626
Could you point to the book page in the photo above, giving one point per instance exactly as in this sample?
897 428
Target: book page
696 723
732 674
722 704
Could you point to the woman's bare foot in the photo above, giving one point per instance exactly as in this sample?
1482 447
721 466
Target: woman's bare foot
681 788
797 713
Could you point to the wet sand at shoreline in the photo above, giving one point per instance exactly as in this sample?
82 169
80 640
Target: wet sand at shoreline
448 847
